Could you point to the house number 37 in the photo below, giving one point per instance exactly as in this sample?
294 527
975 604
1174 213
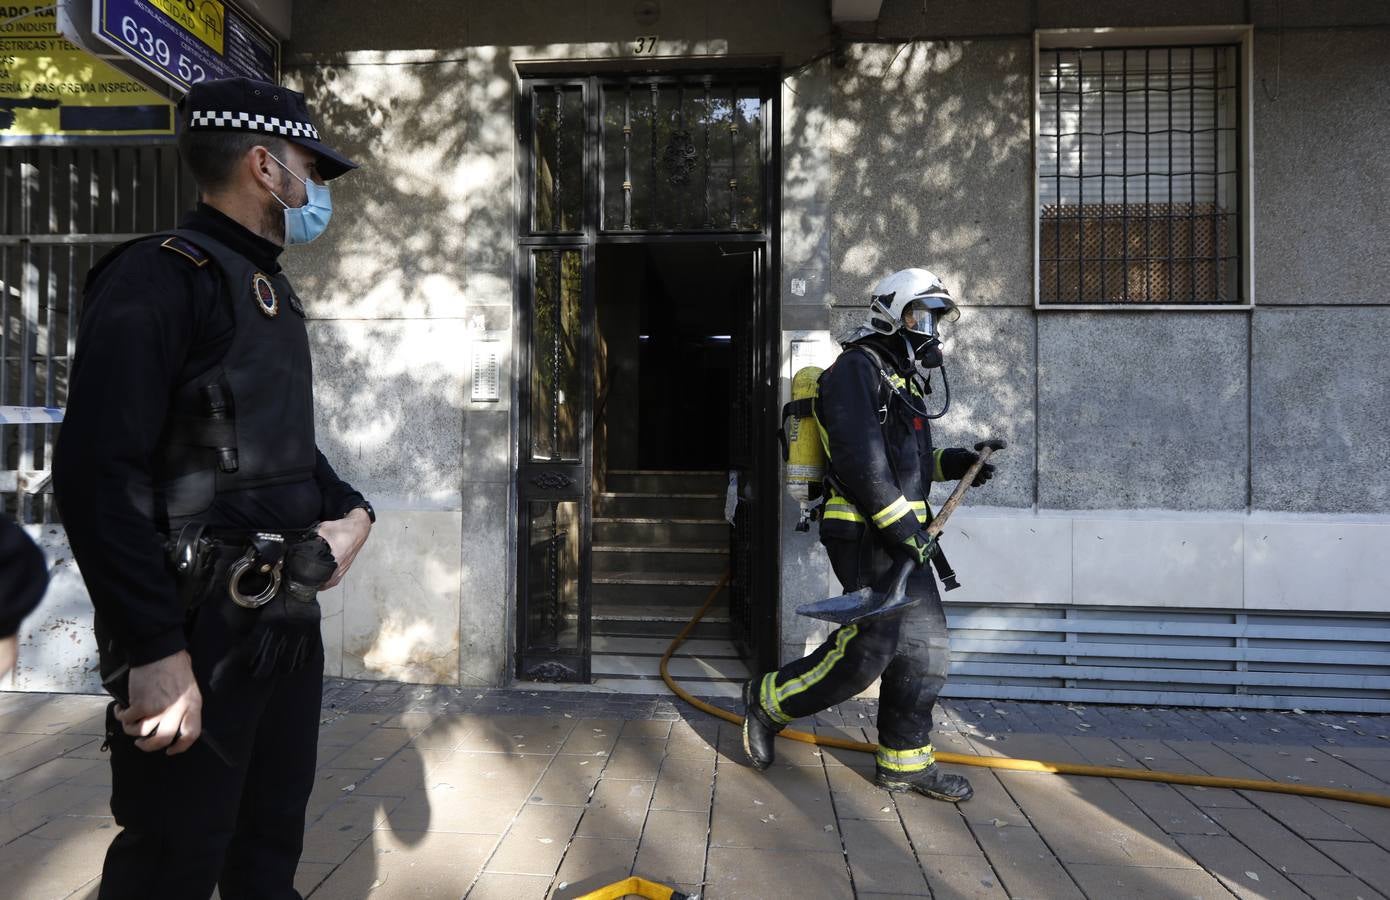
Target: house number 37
645 45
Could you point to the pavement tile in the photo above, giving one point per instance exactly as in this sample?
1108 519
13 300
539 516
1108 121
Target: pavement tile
310 875
1024 863
1336 887
673 847
490 774
1369 862
347 729
782 809
403 774
1163 803
442 807
635 759
936 828
1369 821
445 732
591 863
857 797
962 878
536 842
408 866
56 859
518 734
344 825
46 748
60 799
880 858
736 873
568 781
686 783
834 756
990 802
1147 883
330 785
697 741
41 778
1243 873
646 730
1278 845
1310 819
1304 766
591 737
414 723
370 752
497 886
1117 832
1048 747
617 809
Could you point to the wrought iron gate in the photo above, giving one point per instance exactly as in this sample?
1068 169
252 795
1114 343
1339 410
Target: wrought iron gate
61 209
651 158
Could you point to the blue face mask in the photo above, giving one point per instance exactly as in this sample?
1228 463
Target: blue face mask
304 223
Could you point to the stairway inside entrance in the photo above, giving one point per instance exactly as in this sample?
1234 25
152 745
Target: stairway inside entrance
661 545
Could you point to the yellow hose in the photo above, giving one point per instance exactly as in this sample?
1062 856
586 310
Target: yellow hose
1019 765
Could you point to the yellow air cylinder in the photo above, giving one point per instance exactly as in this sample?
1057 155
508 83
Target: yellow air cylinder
805 453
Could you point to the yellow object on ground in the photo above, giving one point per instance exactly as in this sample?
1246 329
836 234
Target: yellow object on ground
633 887
1020 765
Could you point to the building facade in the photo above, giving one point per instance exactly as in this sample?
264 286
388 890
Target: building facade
590 243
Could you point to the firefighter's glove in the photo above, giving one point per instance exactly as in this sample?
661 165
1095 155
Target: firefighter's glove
917 547
956 461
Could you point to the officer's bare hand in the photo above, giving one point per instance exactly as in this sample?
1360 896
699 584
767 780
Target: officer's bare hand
9 652
166 707
345 537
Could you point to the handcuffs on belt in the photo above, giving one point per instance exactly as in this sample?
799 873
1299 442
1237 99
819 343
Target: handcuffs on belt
265 556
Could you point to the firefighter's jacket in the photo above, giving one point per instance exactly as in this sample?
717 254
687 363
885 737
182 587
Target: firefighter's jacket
879 448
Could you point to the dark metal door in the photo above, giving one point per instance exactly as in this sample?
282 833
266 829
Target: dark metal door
744 608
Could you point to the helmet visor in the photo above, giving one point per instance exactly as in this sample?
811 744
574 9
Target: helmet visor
923 316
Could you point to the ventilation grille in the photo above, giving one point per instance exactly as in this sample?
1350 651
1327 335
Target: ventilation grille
1170 657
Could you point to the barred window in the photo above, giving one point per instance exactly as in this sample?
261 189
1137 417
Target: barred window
1139 180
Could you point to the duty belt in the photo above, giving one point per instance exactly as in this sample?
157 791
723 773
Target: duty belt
200 554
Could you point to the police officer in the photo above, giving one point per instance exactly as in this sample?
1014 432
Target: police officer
23 579
201 513
872 408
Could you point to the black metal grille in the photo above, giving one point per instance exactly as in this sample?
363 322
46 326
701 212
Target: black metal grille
1139 175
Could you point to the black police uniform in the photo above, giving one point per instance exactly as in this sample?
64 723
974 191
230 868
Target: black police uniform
191 404
881 455
23 576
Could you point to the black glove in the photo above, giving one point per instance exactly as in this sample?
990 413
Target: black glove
917 547
956 461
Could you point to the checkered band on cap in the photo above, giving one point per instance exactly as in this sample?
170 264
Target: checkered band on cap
253 122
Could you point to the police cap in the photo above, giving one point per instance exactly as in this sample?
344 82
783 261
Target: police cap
244 104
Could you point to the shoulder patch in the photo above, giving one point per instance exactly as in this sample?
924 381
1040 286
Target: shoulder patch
186 248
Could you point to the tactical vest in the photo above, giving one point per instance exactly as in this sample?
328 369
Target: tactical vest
247 422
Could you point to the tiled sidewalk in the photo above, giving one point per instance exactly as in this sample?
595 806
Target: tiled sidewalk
436 792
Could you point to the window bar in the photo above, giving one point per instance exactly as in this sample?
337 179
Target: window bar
29 306
1171 203
1124 173
556 217
679 193
1103 261
1239 254
1057 217
654 219
1080 180
708 115
733 157
627 158
556 258
1148 175
1219 262
1192 167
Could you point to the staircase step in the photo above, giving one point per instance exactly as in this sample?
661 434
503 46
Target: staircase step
662 482
654 531
668 506
638 592
681 668
654 646
618 559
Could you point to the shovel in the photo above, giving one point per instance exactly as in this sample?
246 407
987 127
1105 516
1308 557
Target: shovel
890 594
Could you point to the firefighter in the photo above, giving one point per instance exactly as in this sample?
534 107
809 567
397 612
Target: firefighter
872 411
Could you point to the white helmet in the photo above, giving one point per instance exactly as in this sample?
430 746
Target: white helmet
914 300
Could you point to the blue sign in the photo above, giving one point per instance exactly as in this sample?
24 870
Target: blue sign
187 41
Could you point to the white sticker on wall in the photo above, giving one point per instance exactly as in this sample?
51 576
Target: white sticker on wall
798 287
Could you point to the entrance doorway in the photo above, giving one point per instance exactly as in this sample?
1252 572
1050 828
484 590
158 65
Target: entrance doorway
646 344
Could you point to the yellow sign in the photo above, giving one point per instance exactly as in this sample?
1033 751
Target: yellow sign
204 19
50 88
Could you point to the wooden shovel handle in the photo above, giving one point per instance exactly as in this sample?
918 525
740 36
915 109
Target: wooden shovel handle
985 449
